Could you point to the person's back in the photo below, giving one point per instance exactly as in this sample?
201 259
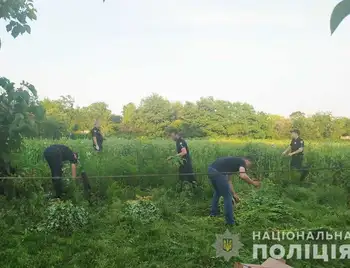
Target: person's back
228 164
62 151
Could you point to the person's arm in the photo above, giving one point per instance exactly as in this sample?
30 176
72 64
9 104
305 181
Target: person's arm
300 150
94 138
286 151
229 178
243 175
183 149
232 190
74 171
183 152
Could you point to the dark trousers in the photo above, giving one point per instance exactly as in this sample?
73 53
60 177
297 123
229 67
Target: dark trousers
297 164
221 188
55 165
183 173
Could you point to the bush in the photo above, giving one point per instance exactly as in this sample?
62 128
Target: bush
63 217
142 210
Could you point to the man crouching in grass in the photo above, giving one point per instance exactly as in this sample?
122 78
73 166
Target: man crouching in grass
220 175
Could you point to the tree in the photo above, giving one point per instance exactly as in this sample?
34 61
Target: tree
61 111
339 13
19 108
153 115
116 118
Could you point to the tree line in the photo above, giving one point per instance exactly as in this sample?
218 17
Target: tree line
207 117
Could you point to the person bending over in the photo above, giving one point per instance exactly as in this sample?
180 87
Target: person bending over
55 155
220 175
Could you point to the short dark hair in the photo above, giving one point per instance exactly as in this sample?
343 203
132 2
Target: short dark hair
296 131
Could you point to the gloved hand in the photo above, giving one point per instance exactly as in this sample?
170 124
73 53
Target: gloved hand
97 147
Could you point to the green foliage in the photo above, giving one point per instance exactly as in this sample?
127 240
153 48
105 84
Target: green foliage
176 160
63 217
16 13
206 118
79 120
143 221
339 13
144 211
18 112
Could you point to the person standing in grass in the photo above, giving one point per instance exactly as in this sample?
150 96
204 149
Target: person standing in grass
220 174
97 138
56 155
185 169
296 151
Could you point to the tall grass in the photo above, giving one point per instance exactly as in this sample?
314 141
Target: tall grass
173 229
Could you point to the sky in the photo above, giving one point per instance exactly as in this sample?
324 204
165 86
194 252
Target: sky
275 55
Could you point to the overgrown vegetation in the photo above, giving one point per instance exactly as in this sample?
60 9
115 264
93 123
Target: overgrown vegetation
144 221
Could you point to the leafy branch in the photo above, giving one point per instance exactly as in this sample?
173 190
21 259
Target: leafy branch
17 13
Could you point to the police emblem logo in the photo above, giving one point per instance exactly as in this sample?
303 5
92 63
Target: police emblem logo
227 244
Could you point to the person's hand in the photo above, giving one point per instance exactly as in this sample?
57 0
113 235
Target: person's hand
256 183
290 154
97 147
236 198
284 153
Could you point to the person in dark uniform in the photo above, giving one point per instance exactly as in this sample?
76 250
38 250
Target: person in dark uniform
296 151
220 175
184 152
55 155
97 138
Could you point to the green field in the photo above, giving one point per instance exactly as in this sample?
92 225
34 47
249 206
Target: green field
173 228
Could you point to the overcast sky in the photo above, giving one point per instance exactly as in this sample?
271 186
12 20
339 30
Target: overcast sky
276 55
